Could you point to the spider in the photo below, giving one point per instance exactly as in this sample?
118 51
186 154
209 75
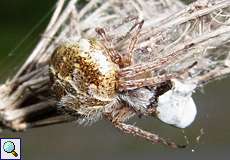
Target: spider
92 80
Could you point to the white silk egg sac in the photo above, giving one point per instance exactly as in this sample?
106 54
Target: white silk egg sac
176 106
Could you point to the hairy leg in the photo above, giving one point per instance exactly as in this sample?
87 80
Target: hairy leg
137 69
119 113
134 84
154 138
132 44
125 85
125 60
120 41
107 45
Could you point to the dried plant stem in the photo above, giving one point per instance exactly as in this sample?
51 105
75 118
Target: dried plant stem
198 32
40 48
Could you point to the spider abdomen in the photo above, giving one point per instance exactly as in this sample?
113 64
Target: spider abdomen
83 69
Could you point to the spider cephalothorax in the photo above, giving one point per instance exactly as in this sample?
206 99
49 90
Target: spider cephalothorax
92 80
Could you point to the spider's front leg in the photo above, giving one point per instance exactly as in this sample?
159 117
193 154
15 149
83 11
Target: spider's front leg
108 47
118 122
132 45
126 59
118 113
137 69
126 85
154 138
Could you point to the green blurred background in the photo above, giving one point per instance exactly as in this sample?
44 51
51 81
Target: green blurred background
101 140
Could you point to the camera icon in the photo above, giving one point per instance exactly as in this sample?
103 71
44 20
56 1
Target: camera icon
10 148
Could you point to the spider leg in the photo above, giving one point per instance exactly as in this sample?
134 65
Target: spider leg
119 113
134 84
107 45
125 85
137 69
154 138
133 42
120 41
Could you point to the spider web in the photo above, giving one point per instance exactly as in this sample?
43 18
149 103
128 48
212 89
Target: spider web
12 60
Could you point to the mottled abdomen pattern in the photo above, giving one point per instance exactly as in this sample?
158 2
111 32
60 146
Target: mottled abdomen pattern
82 75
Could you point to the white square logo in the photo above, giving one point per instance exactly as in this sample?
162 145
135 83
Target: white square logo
10 148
